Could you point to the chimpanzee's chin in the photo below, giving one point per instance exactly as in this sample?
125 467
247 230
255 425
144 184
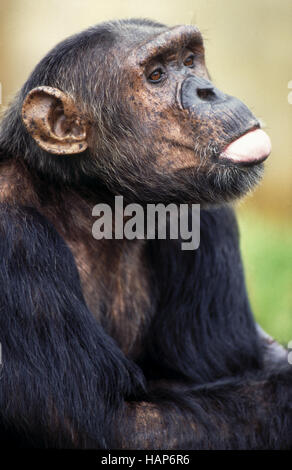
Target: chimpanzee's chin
235 181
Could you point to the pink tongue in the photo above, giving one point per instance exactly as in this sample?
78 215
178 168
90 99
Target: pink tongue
253 147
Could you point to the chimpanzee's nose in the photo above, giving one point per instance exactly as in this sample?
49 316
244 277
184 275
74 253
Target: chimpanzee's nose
196 90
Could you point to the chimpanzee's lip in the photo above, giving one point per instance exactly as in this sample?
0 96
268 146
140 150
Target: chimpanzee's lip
252 147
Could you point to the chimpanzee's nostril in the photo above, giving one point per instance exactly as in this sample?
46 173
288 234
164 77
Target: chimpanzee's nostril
206 94
196 91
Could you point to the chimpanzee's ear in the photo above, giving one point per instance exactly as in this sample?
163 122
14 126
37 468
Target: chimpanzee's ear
53 120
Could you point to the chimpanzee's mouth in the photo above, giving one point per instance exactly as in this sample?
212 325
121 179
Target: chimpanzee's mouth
251 148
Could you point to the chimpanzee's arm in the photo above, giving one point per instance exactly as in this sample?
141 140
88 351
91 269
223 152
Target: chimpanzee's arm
252 412
63 379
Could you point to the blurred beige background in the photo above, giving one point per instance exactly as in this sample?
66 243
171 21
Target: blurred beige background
249 54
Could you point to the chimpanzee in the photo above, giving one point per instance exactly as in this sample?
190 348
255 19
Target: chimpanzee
118 343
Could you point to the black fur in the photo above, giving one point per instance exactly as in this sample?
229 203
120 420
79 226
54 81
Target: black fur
58 362
62 370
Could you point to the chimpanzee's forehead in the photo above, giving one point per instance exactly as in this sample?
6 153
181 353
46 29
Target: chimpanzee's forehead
158 41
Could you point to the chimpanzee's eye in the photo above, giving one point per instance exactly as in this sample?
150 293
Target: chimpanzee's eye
156 76
189 61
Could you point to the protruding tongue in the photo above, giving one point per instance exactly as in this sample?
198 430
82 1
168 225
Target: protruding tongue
253 147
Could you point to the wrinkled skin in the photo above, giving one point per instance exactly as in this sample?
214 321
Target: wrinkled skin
184 157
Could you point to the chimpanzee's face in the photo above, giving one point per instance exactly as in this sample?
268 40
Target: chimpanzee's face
186 118
197 142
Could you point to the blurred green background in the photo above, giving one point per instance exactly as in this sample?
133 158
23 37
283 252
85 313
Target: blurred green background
249 54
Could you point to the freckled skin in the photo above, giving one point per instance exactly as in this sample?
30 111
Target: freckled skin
181 146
